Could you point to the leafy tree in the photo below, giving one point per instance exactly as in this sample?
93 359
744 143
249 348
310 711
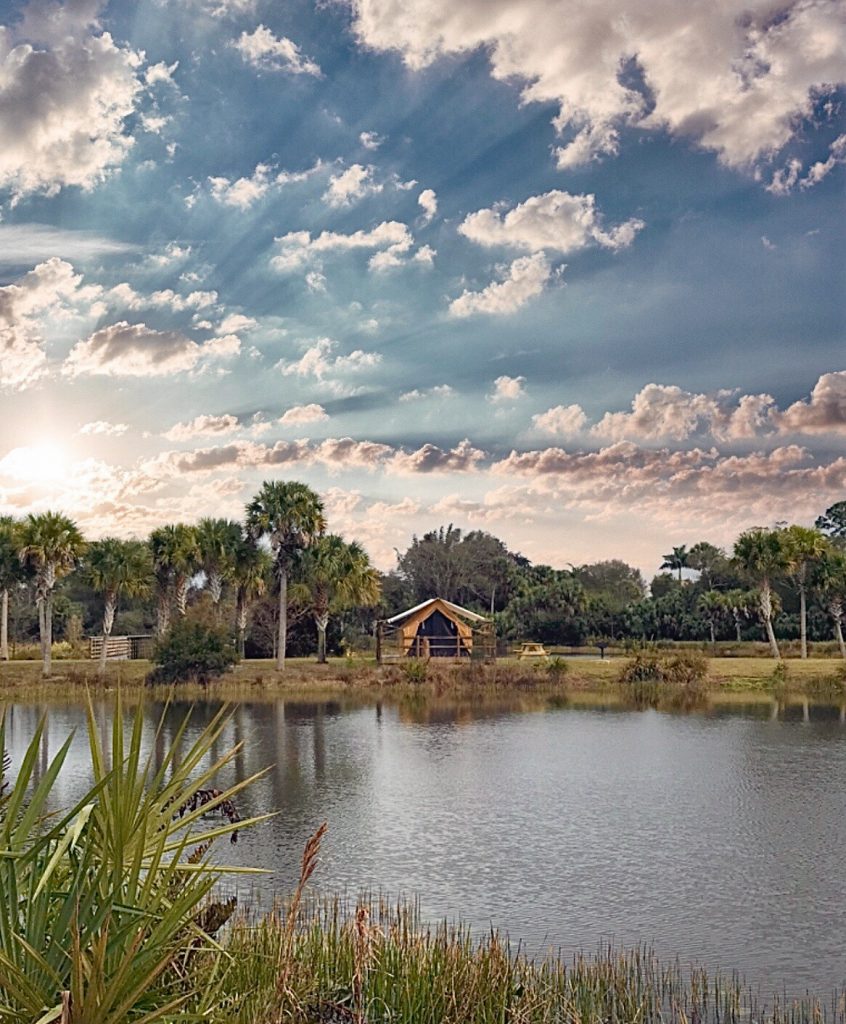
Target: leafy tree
663 584
833 521
51 546
333 576
11 575
250 570
192 651
114 567
709 561
176 559
741 604
712 604
677 559
290 516
617 583
760 553
803 548
830 580
546 606
218 540
434 564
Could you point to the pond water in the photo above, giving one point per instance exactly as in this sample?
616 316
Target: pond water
719 837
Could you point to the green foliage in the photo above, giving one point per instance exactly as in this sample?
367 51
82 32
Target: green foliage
192 651
556 669
104 901
414 670
684 668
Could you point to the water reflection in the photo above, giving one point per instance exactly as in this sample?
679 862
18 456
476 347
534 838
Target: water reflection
717 836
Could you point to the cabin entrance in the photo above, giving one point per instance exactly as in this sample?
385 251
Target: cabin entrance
437 637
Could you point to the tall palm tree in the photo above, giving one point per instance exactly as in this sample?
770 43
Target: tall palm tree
334 576
218 540
250 569
290 516
760 553
114 567
712 604
740 603
803 549
176 559
51 547
830 580
677 559
11 574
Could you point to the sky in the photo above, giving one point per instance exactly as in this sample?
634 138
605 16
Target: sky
569 273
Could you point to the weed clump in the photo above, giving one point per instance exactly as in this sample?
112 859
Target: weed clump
192 652
677 681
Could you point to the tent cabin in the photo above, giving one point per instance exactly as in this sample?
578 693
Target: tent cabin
435 629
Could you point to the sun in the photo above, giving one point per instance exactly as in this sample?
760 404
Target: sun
36 464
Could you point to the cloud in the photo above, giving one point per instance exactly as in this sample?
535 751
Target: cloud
298 247
508 389
103 428
786 179
300 414
264 51
203 426
428 201
350 185
523 280
66 91
51 290
438 391
320 361
22 244
135 350
555 221
824 412
430 458
236 323
370 140
125 295
561 420
243 192
737 78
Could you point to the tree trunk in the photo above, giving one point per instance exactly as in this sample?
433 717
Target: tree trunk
162 613
4 626
713 637
321 621
283 619
836 611
42 628
737 627
241 624
48 635
803 622
767 615
108 623
215 591
182 595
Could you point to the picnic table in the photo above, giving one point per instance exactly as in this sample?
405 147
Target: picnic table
530 649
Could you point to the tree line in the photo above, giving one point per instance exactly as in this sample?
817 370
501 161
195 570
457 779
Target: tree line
281 547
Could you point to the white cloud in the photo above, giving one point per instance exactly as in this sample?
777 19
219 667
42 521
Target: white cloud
243 192
320 361
125 295
300 414
523 280
103 428
135 350
203 426
29 243
264 51
428 202
438 391
824 412
561 420
736 77
370 140
236 323
555 221
298 247
50 291
508 389
160 73
66 91
347 187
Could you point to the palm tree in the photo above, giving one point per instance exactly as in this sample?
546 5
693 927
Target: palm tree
830 580
51 546
760 553
739 603
803 549
334 576
176 558
290 516
218 540
712 604
11 574
250 568
677 559
114 567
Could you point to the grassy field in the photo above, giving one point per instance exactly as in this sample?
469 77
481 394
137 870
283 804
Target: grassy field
580 678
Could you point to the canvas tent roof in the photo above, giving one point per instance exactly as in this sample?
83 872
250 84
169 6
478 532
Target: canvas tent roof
456 610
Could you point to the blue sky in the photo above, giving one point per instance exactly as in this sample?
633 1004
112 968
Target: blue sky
571 275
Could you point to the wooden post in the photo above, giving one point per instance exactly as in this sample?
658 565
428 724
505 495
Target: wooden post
379 643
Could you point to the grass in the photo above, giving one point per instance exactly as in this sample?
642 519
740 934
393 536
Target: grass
576 679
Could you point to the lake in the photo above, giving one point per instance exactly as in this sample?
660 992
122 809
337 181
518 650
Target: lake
720 837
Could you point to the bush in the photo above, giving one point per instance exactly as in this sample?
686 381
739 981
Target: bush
674 681
192 651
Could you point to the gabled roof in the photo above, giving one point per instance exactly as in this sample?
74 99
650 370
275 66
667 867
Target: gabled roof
456 609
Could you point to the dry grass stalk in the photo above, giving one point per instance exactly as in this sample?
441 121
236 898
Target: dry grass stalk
311 852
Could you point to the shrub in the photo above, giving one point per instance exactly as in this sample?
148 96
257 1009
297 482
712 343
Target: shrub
415 670
556 669
192 651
